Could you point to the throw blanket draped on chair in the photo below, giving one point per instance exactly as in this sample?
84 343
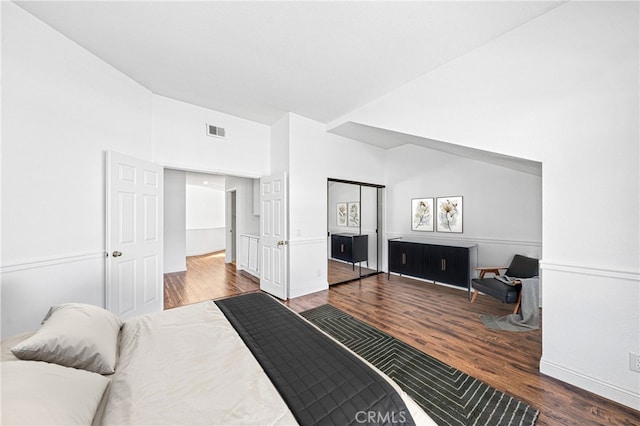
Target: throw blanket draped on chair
529 316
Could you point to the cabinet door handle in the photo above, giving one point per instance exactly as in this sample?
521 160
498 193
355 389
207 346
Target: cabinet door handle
341 248
404 258
443 264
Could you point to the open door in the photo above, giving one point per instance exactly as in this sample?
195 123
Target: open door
274 243
134 220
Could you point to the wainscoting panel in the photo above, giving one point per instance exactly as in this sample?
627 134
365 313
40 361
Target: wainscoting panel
206 240
31 287
590 323
307 266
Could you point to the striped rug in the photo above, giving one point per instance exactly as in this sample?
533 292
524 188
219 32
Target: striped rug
449 396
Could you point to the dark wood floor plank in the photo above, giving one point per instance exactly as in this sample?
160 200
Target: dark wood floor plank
435 319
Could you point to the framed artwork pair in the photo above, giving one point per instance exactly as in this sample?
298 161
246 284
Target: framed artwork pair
443 212
348 214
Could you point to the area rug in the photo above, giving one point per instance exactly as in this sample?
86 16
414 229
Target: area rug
448 395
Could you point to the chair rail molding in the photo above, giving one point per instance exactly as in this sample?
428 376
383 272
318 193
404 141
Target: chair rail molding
52 260
598 271
307 241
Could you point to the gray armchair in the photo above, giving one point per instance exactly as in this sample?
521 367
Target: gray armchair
520 267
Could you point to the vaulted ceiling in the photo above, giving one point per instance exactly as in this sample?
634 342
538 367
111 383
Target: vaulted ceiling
259 60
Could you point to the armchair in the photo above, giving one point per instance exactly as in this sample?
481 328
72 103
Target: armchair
520 267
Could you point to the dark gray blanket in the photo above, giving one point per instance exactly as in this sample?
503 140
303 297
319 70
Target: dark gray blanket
321 381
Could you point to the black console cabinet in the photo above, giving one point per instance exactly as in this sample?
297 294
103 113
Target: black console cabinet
352 248
406 258
450 264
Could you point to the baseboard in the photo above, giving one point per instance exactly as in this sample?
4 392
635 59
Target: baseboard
203 252
606 390
306 290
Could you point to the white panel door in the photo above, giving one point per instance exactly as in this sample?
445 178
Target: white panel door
274 275
134 218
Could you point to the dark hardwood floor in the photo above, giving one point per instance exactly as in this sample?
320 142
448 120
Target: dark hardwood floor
340 271
436 319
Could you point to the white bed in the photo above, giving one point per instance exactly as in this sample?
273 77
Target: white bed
186 365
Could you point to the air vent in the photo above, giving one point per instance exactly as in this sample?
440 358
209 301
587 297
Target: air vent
215 131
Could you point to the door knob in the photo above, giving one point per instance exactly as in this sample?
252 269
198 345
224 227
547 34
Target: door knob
116 253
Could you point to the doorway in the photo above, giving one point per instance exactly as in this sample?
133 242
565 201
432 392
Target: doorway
354 230
231 252
199 243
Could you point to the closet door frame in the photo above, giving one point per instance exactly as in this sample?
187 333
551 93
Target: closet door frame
379 210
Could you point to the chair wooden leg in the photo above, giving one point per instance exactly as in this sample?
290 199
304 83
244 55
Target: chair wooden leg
474 295
517 308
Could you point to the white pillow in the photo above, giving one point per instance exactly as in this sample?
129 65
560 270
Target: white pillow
40 393
75 335
9 342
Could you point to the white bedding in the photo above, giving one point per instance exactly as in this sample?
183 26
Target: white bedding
188 365
183 366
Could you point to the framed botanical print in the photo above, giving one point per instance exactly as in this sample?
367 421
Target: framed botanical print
449 214
341 214
422 214
353 215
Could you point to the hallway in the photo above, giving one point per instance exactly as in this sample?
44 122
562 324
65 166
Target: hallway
207 277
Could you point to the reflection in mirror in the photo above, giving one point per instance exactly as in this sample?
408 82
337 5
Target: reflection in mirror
353 224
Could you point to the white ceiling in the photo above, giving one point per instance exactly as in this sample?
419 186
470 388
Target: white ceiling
206 180
388 139
259 60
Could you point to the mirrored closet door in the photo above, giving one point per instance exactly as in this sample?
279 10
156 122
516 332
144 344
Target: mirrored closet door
354 230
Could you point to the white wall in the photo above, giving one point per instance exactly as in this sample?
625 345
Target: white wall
279 158
61 109
409 172
315 156
205 240
180 140
502 207
562 89
205 220
175 238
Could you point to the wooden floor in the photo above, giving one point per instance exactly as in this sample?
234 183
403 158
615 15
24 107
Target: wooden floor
436 319
340 271
207 277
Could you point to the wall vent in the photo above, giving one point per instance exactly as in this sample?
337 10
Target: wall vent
216 132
